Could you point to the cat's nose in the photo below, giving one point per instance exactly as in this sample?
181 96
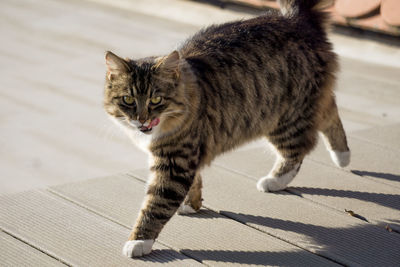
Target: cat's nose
142 120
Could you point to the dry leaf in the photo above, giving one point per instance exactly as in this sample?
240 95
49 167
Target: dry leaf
387 227
350 212
353 214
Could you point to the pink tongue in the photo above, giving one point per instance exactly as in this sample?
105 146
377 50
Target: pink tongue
154 122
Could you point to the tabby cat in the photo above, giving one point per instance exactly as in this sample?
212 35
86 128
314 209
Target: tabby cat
271 76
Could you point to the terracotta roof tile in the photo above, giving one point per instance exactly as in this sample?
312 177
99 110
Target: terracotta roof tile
390 11
356 8
377 15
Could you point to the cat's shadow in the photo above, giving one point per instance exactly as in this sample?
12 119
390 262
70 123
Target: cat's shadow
385 200
261 258
325 241
203 213
381 175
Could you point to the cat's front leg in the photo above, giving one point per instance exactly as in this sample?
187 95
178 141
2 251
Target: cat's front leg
166 191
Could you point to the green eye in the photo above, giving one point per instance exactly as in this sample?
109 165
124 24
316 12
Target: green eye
155 100
129 100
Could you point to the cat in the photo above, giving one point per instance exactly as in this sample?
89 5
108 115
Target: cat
271 76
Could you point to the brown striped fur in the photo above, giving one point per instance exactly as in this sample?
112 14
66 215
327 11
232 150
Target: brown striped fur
271 76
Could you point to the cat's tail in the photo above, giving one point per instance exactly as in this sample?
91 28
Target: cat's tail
311 10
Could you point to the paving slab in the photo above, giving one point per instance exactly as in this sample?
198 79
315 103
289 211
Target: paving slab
373 100
306 224
356 120
17 253
386 136
370 160
52 52
209 237
328 185
72 234
52 62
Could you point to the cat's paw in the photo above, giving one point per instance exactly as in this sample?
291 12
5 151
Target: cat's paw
269 184
340 158
137 248
186 209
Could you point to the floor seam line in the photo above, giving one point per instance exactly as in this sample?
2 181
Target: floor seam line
252 227
293 191
34 247
274 236
112 220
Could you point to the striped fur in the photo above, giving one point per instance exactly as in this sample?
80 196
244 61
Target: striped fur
271 76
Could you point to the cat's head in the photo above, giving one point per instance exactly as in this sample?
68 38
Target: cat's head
145 95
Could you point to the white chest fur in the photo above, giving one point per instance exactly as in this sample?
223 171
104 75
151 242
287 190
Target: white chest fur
140 139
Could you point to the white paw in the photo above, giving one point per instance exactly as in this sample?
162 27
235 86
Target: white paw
270 184
137 248
341 159
185 209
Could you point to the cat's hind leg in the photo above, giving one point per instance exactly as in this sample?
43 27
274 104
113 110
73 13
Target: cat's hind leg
280 176
292 141
193 200
334 136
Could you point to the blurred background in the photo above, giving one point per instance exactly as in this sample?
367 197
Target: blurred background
52 125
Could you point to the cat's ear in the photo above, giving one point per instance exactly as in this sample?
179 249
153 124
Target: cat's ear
172 60
115 65
170 64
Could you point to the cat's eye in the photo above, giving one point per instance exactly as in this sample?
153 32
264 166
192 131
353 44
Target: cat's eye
155 100
128 100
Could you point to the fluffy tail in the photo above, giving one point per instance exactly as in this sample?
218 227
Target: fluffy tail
311 10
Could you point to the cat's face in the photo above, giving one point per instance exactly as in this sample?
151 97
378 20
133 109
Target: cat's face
142 94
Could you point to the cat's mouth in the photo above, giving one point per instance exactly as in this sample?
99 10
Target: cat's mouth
148 126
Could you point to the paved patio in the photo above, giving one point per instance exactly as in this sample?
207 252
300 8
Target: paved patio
55 138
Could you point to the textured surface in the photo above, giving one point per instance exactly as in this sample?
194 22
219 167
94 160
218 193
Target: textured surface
368 159
73 234
387 136
53 127
17 253
324 183
299 221
207 236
